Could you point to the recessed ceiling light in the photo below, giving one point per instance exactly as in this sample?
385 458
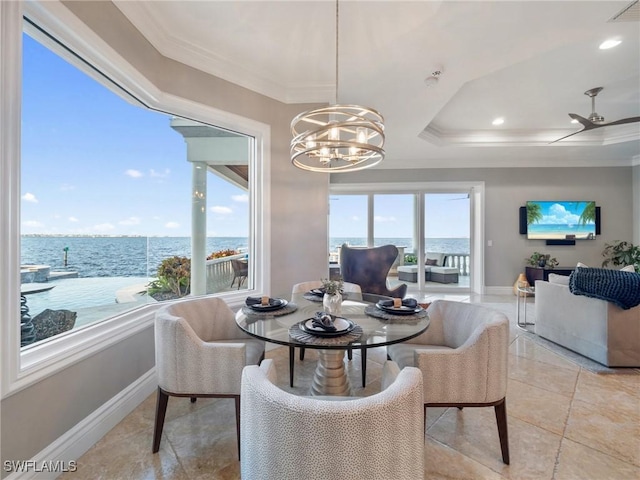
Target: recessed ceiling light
498 121
610 44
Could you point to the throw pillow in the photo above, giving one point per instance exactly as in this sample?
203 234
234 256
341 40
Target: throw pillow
558 279
628 268
431 261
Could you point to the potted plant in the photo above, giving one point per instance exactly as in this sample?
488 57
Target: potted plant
332 300
542 260
621 254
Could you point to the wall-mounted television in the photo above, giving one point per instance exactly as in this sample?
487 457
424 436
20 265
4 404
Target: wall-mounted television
562 220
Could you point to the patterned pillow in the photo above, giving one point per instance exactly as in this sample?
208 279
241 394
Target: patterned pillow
431 261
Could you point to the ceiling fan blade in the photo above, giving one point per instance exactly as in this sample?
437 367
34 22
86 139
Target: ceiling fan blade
570 135
622 121
588 124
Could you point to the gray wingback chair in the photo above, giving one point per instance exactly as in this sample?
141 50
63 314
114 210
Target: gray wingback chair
200 352
463 357
369 267
285 436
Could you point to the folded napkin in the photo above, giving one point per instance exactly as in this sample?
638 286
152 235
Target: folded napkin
258 301
407 302
324 321
319 292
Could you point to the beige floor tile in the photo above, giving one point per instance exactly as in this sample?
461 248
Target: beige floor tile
525 348
542 375
539 407
443 462
127 459
606 430
578 462
620 392
473 433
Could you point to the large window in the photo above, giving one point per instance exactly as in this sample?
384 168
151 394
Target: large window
99 187
106 216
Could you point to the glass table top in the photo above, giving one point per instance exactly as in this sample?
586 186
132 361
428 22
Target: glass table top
376 332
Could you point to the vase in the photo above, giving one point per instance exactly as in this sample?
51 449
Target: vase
332 303
521 282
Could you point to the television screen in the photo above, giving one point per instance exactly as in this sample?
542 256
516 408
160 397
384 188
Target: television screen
561 220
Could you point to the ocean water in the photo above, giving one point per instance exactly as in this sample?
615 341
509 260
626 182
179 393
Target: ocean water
114 256
108 264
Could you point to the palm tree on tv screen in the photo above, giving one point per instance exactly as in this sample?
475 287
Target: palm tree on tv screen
588 214
534 213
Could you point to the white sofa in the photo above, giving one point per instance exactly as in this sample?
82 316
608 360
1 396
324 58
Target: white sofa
591 327
434 273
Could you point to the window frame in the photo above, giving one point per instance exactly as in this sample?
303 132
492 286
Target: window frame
19 369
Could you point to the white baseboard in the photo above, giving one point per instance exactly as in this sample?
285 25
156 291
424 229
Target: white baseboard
498 290
74 443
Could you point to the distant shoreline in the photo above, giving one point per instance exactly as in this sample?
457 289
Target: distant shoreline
556 236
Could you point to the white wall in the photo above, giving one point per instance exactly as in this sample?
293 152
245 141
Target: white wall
636 204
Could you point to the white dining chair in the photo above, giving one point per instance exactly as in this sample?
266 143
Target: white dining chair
290 437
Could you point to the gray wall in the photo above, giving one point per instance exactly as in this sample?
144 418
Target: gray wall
636 204
506 189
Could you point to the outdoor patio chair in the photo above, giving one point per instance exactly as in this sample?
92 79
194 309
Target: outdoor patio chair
200 352
240 271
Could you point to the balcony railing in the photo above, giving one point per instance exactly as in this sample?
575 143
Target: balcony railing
220 273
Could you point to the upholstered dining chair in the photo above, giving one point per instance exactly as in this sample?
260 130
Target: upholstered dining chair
286 436
369 268
200 352
240 271
354 294
463 359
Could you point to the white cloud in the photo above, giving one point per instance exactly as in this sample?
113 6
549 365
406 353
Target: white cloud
32 224
172 225
130 221
133 173
559 215
65 187
221 210
242 198
164 174
29 197
381 219
103 227
73 219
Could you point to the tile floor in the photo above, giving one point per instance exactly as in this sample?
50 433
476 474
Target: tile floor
565 423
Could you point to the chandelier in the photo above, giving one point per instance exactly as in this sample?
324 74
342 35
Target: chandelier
337 138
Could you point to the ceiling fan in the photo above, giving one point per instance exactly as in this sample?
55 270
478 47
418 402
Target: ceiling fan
595 120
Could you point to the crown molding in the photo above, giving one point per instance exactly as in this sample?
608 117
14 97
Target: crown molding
205 60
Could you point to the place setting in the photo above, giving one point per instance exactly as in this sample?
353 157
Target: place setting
396 309
265 306
326 329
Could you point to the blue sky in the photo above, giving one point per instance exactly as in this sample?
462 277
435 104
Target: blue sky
446 216
561 213
92 163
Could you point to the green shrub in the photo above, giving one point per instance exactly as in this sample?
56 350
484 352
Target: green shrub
174 276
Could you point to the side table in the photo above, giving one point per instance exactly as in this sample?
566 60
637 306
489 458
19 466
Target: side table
526 292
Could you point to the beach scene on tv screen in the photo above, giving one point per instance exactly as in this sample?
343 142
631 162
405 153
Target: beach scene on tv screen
561 220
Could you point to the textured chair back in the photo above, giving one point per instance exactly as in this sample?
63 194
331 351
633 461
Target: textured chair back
369 267
183 363
285 436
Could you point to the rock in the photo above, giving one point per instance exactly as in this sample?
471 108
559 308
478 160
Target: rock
53 322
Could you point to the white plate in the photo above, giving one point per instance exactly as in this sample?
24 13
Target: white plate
342 325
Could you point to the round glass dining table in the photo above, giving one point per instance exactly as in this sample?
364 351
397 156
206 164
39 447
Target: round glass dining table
330 378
